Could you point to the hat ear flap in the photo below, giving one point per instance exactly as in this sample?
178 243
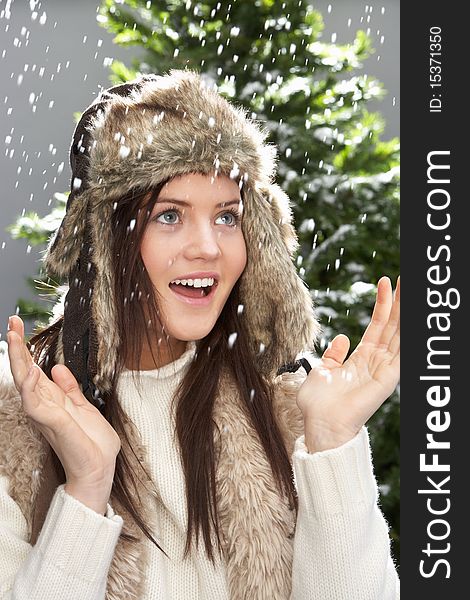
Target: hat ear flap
278 308
64 247
282 216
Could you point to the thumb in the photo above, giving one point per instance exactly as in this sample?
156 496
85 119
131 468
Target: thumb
65 379
337 349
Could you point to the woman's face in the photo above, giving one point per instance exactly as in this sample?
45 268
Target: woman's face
194 236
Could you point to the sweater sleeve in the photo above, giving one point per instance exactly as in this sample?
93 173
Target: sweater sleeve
72 555
341 543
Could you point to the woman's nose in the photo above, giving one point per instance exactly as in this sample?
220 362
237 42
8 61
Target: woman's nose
203 242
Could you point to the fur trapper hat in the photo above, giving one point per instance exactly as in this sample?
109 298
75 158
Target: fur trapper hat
134 136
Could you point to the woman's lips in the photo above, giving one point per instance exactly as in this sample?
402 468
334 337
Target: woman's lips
195 301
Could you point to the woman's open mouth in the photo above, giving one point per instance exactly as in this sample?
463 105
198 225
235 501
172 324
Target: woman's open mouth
194 295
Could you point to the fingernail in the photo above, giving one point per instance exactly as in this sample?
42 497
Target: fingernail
9 324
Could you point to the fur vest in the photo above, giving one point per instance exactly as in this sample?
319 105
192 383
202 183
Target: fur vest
257 535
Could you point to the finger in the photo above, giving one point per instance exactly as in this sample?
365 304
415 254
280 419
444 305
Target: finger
18 326
19 354
65 379
394 319
381 312
15 323
20 362
28 387
337 349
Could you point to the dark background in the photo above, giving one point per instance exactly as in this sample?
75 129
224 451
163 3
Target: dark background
423 132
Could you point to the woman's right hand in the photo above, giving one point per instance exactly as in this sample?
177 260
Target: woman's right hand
82 438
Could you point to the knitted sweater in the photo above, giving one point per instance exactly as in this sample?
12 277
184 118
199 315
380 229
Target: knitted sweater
341 545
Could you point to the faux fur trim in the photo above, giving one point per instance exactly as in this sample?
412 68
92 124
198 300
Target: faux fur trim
258 524
289 415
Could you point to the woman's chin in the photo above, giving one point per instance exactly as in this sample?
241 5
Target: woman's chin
191 334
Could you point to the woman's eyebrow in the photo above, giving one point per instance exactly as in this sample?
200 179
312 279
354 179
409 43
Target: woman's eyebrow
184 203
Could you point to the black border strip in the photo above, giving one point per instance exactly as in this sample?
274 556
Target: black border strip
434 131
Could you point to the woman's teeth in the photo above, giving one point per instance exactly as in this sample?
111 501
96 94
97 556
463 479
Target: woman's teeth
197 283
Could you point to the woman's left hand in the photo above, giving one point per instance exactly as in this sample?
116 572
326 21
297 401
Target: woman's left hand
339 396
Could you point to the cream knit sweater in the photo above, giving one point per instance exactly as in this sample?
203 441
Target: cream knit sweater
341 545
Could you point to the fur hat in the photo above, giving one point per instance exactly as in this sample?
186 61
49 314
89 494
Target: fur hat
134 136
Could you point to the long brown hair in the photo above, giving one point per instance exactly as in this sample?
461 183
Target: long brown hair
137 307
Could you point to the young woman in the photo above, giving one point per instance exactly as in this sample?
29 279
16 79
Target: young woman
165 437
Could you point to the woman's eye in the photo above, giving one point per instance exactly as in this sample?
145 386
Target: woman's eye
161 217
232 220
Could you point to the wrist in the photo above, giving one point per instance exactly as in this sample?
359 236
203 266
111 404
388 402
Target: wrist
95 497
321 438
